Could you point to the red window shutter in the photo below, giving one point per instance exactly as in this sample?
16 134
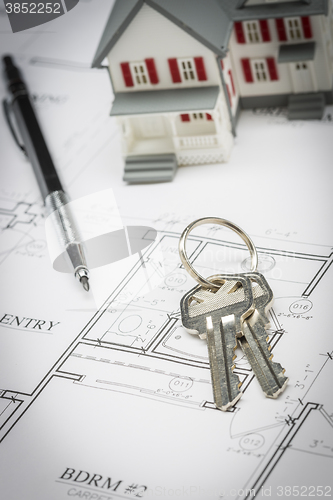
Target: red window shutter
272 68
209 116
151 68
185 118
247 70
264 28
239 32
127 75
222 64
229 95
281 30
200 67
174 70
232 82
307 30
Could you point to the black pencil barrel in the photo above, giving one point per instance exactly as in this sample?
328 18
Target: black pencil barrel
30 130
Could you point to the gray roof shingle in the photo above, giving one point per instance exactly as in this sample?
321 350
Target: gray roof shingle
165 101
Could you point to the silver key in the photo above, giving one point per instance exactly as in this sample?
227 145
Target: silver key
270 375
218 316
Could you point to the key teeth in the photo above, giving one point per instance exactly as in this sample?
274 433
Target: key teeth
282 388
271 377
230 403
278 392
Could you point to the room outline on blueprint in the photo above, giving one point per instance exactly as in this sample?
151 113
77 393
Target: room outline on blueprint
135 345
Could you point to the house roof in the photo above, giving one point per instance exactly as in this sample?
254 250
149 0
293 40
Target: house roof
241 11
205 20
165 101
120 17
208 21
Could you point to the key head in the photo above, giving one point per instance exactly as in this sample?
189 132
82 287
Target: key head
262 296
199 303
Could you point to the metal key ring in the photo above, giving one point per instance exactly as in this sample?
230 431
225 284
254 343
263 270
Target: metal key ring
222 222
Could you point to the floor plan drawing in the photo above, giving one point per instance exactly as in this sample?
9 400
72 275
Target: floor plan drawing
17 222
135 345
291 443
20 214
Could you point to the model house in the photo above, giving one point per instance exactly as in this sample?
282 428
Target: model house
181 71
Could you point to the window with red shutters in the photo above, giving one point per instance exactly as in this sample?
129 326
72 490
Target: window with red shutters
139 73
281 30
174 70
252 31
187 70
293 27
272 69
198 117
185 117
200 67
209 116
232 82
239 32
247 71
153 77
259 70
127 75
264 28
307 30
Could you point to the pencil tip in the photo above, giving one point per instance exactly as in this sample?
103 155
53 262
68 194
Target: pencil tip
85 283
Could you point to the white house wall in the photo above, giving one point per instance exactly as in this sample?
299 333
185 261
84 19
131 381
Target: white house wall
321 66
327 38
231 82
322 62
151 35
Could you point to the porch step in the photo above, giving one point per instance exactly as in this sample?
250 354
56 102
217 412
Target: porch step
150 168
306 106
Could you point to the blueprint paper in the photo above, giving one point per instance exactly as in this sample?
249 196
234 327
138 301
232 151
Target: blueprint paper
104 395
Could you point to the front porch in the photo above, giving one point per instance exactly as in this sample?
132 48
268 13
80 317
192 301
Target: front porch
190 125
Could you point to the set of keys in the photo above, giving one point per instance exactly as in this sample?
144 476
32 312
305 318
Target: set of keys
224 310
